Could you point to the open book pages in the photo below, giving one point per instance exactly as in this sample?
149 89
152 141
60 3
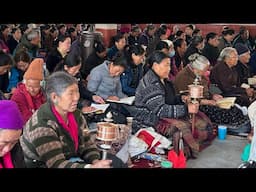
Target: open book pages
226 103
252 80
246 86
99 108
126 100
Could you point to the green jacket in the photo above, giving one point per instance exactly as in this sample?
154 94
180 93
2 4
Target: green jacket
26 46
46 144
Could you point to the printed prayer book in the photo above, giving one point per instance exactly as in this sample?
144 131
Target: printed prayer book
99 108
226 102
126 100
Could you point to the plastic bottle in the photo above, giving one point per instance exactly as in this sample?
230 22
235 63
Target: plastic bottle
166 164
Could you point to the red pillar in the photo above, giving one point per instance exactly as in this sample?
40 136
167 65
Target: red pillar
108 31
125 27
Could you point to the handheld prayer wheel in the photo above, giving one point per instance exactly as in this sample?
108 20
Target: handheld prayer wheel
195 92
106 132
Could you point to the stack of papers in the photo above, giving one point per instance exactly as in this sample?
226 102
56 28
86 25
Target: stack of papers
245 86
126 100
99 108
226 103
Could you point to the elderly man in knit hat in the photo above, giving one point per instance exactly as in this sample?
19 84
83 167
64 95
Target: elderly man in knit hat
29 94
11 124
242 67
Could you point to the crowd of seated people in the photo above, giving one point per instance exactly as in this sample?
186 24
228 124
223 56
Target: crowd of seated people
51 84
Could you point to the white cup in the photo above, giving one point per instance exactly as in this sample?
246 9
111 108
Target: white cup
129 120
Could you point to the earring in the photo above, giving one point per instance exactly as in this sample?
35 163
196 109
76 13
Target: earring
55 102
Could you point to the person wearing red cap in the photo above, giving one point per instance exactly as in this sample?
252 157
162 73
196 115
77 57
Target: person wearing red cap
29 95
11 155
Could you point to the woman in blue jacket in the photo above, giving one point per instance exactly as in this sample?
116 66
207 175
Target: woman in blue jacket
135 55
22 61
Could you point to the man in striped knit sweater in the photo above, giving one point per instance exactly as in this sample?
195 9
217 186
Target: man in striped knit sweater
56 136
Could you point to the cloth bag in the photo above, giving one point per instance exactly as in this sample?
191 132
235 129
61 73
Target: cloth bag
153 139
136 146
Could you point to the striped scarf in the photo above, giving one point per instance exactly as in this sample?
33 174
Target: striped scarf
71 127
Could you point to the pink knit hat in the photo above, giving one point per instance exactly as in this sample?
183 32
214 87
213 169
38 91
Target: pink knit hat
10 116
